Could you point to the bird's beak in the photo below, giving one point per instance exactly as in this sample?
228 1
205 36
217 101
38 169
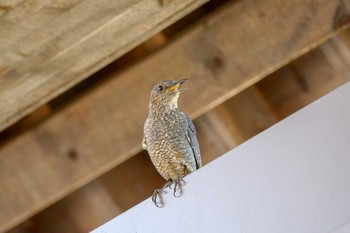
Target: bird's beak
176 86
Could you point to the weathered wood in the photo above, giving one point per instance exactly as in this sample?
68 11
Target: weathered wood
80 212
309 77
231 50
48 46
250 113
215 134
35 118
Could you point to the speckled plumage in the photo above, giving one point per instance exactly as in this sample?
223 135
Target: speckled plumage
169 134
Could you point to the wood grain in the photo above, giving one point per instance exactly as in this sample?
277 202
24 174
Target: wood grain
250 113
310 77
229 51
48 46
80 212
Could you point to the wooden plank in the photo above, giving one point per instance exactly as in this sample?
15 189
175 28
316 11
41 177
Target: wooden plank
215 134
309 77
80 212
35 118
250 113
48 46
229 51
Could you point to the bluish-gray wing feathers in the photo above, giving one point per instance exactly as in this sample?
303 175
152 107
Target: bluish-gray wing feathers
191 132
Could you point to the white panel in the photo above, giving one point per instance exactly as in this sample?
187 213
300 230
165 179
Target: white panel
293 177
342 229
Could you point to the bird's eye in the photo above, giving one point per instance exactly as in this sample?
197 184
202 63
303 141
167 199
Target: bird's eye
160 87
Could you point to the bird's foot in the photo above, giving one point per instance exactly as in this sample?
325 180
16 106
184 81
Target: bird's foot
157 194
167 184
178 183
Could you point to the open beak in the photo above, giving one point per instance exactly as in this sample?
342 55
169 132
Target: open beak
176 86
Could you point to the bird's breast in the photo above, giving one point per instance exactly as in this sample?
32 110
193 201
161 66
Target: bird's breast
166 130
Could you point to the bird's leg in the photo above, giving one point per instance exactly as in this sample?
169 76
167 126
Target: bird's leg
157 193
175 186
178 182
168 184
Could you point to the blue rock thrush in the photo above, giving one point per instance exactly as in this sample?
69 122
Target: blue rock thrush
170 137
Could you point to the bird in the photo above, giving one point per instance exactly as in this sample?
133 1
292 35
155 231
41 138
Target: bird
170 137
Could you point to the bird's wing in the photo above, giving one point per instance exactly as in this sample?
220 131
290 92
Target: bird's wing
192 138
144 139
144 143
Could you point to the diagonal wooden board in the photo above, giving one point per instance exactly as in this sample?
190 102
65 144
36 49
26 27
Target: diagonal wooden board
48 46
235 47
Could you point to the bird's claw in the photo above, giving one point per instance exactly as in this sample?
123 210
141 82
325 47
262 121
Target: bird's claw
178 183
157 193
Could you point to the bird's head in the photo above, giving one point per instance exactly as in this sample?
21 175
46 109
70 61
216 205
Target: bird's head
166 93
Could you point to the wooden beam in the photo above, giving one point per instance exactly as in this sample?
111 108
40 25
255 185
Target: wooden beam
215 134
229 51
249 113
80 212
309 77
48 46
